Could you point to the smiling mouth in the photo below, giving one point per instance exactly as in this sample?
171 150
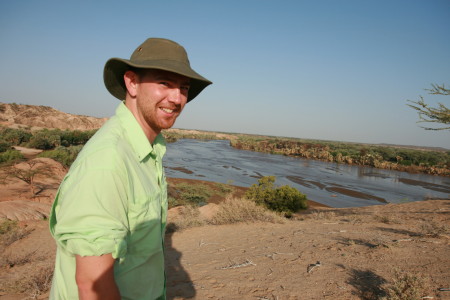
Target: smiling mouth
167 110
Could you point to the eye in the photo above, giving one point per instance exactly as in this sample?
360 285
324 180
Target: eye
165 83
185 87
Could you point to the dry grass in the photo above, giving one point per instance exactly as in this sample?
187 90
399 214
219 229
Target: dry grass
353 219
40 281
237 210
189 217
232 210
386 219
434 229
35 283
10 260
10 232
322 215
407 286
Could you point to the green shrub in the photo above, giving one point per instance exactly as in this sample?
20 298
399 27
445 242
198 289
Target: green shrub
281 199
14 137
190 194
65 155
262 190
194 194
75 137
46 139
406 163
4 146
42 140
10 155
288 199
223 189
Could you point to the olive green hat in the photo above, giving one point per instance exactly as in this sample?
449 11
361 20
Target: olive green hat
154 53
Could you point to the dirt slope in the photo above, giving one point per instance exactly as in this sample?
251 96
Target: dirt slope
16 115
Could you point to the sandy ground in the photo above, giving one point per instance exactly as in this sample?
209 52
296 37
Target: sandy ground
325 253
359 251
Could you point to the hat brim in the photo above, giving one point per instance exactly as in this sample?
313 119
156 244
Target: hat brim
115 68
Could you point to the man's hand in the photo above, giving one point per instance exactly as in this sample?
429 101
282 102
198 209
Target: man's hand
95 277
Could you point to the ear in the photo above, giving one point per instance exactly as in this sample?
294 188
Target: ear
131 80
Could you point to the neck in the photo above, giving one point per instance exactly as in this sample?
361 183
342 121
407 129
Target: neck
149 132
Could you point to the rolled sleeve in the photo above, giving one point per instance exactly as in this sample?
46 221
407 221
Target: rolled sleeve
91 214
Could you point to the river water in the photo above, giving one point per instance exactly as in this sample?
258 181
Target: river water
336 185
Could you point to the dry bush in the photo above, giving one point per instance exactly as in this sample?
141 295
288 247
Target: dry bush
11 260
386 219
236 210
35 283
40 282
189 217
10 232
232 210
406 286
434 229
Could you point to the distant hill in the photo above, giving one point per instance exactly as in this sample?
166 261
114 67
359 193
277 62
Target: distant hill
34 116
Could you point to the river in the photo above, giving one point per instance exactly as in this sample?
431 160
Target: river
336 185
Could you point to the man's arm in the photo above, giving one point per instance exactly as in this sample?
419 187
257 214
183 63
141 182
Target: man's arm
95 277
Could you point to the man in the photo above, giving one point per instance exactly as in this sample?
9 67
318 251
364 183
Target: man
109 214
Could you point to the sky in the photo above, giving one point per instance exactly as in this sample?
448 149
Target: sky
319 69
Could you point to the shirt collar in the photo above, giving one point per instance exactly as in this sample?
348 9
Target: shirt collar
137 138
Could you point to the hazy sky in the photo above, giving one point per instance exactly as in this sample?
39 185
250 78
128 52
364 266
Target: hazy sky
332 70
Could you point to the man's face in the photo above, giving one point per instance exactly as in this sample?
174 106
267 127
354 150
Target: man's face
160 98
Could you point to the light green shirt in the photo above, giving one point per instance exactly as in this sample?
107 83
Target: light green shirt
114 200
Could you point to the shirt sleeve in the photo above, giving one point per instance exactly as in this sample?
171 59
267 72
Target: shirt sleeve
91 213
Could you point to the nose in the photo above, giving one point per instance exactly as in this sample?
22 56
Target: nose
175 95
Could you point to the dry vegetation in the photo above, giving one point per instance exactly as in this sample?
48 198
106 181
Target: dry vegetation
230 211
31 270
234 210
11 232
407 286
